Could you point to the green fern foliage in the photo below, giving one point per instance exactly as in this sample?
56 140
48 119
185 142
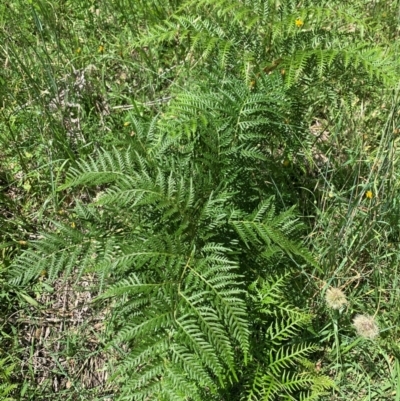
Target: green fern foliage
196 315
203 137
253 37
177 226
6 385
280 367
264 227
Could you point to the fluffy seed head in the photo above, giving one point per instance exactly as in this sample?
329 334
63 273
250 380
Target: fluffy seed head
335 298
366 326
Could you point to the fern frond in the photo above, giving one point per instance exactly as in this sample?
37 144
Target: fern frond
193 367
375 62
199 307
284 368
58 253
287 357
271 230
6 386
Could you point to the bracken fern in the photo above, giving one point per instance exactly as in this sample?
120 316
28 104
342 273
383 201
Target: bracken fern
178 227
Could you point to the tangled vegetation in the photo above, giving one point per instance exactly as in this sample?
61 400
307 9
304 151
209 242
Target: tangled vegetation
199 200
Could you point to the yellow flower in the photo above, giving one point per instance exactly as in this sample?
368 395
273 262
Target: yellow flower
369 195
299 22
126 123
73 225
101 49
78 50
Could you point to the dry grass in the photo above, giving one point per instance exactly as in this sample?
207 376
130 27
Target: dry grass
62 340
